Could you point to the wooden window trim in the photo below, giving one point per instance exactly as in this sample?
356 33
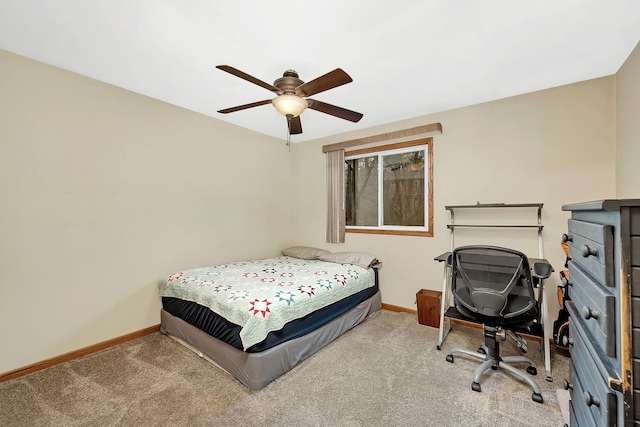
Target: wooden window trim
392 232
388 147
424 141
433 128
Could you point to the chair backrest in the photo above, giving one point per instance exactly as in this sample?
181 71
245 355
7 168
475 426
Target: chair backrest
492 282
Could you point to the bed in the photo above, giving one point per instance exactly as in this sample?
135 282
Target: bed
258 319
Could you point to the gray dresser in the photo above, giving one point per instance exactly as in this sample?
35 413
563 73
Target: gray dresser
604 322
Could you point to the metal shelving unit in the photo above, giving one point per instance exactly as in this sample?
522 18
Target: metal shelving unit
537 206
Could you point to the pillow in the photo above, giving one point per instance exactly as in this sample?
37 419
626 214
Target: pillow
304 252
361 259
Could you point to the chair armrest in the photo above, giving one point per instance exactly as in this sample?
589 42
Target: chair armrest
542 270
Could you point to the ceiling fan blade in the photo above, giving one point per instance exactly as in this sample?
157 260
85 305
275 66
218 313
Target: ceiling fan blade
333 110
328 81
229 69
295 125
245 106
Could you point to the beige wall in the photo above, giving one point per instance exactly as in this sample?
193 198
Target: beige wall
103 192
628 127
554 146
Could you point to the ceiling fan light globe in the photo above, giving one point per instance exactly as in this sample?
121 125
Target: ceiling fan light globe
289 105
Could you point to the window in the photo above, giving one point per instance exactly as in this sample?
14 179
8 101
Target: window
388 189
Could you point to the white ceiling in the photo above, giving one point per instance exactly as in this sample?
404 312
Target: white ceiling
407 58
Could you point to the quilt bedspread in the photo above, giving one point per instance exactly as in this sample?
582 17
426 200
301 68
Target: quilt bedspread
263 295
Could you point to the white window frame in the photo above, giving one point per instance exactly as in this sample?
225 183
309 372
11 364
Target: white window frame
392 149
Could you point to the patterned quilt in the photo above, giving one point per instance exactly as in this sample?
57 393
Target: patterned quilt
263 295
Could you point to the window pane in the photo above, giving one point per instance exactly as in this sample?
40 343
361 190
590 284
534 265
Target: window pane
361 191
403 189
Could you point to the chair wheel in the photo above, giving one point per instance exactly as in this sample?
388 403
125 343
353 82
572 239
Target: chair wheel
531 370
481 350
537 397
450 358
476 386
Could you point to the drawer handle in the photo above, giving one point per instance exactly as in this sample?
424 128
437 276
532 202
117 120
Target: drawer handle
567 385
588 313
590 399
567 238
567 341
587 251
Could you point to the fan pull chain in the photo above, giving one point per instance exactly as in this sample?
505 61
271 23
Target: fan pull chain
289 117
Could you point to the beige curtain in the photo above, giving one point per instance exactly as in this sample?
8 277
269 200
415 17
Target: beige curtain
335 196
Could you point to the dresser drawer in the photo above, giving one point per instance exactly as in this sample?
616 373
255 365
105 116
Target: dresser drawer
591 392
635 282
635 221
589 409
591 247
580 418
635 250
596 305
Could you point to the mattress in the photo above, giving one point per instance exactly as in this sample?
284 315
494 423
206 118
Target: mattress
218 327
257 370
259 297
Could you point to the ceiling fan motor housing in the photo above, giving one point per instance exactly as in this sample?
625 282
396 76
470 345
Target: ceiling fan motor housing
288 82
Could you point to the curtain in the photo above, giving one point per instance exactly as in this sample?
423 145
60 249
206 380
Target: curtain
335 196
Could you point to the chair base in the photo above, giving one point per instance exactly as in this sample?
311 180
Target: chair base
500 363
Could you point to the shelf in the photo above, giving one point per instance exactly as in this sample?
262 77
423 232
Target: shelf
450 226
496 205
537 226
535 330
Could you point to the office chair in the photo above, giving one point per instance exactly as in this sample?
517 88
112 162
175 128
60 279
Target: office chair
495 286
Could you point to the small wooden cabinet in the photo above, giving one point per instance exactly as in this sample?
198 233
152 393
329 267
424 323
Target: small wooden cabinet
428 303
604 312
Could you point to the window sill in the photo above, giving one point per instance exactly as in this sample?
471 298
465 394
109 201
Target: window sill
392 232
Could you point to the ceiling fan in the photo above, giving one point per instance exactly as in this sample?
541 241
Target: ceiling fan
292 95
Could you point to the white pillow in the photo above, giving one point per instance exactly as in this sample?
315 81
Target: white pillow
304 252
362 259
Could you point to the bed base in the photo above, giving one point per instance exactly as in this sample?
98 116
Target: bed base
256 370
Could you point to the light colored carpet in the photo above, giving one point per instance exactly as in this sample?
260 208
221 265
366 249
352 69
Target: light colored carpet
385 372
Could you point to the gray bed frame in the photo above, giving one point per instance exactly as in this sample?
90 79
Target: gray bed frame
256 370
